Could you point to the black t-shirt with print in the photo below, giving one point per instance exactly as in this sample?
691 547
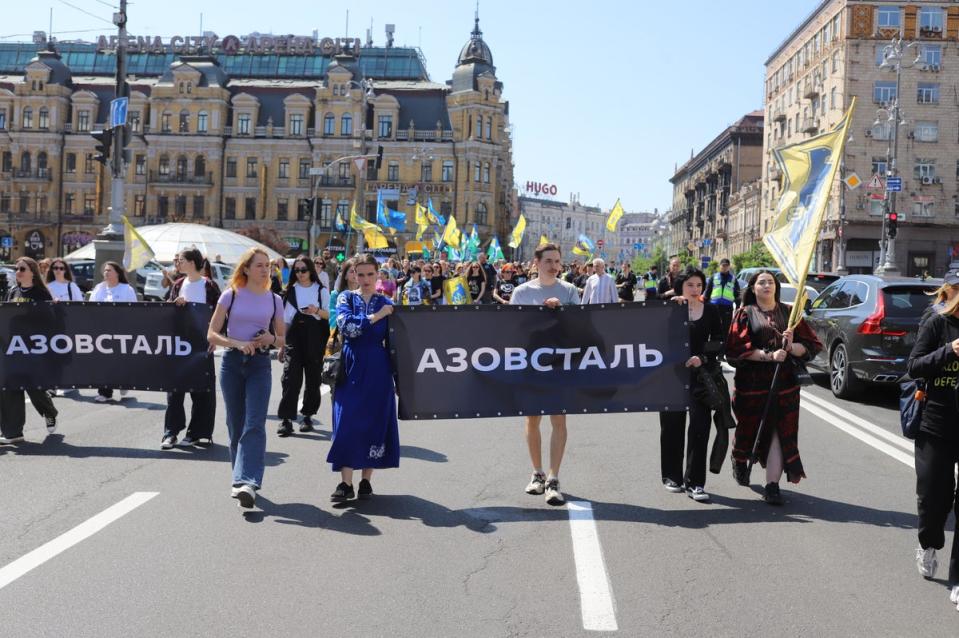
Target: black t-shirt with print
505 289
475 283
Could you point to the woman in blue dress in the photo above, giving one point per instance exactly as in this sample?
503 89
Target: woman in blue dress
365 432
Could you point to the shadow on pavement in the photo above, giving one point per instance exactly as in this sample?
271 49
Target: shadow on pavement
403 507
422 454
878 395
309 515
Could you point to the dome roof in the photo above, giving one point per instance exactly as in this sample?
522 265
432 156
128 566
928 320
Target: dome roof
59 72
347 62
166 240
476 49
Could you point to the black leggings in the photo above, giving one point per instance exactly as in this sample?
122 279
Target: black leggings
936 495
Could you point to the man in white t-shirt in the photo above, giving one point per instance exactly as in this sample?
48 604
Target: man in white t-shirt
546 290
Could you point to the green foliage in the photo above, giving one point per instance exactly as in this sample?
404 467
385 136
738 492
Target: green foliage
756 257
712 268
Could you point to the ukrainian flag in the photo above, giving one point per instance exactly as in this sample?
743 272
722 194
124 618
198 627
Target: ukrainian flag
516 237
614 216
452 234
809 169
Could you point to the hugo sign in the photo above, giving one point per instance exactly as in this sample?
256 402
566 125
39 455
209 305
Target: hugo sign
541 188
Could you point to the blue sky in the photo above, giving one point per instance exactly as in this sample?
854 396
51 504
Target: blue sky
605 96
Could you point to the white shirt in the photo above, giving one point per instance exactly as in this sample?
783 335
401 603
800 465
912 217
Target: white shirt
120 292
600 289
307 296
194 291
66 291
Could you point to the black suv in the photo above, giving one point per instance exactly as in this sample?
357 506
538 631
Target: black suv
867 325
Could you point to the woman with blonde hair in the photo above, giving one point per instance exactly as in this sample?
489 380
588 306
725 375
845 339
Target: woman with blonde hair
935 358
252 318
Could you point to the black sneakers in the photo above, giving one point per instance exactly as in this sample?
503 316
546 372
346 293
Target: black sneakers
285 429
772 495
343 492
741 473
365 490
307 424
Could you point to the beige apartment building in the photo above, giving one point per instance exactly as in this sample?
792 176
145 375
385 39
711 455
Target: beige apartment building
227 134
835 54
711 215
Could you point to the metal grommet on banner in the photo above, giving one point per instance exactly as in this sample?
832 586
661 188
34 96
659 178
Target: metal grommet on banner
499 414
434 416
564 411
584 410
542 411
477 414
456 416
520 413
646 408
605 409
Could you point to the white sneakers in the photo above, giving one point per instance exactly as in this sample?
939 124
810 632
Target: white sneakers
7 441
246 495
537 483
954 596
553 496
926 562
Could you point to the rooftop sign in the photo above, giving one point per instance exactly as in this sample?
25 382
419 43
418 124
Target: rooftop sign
233 45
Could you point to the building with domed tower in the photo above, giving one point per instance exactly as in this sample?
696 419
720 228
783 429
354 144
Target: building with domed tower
241 132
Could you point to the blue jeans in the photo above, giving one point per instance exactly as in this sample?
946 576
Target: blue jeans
245 381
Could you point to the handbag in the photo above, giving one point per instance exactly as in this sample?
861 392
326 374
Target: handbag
801 372
912 401
332 372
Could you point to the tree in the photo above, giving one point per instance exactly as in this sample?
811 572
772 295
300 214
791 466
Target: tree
267 236
756 257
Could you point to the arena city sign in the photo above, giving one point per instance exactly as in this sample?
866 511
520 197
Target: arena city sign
233 45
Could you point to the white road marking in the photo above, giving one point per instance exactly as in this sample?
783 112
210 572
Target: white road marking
595 593
868 439
872 428
65 541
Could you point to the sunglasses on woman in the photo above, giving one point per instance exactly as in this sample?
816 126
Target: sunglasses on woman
59 268
300 271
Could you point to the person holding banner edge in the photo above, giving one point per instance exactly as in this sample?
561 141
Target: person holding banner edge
113 289
758 340
546 290
246 312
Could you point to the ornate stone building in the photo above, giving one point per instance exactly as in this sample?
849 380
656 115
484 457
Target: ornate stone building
229 136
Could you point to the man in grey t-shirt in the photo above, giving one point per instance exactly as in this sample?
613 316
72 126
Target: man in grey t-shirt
551 292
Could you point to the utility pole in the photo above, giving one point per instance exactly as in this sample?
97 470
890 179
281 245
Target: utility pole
841 230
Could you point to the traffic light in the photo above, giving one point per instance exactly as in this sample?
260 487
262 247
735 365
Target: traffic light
104 140
892 223
379 157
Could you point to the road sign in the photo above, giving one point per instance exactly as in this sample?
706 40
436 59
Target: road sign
317 171
706 261
876 183
852 181
879 196
6 242
894 184
118 111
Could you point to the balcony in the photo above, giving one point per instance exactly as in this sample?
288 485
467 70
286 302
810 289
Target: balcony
810 125
930 32
36 175
182 179
332 181
779 115
811 90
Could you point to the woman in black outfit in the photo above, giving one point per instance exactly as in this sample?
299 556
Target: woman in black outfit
705 327
307 319
935 358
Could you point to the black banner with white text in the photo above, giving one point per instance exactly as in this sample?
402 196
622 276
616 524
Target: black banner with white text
486 361
136 346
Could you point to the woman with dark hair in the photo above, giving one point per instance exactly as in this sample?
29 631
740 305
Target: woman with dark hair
194 286
758 340
345 281
60 282
28 288
307 330
935 358
114 288
705 328
365 432
476 281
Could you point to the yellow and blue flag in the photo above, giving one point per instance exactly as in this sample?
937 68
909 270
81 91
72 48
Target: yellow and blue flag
614 216
516 237
452 234
359 224
543 239
340 222
136 251
456 292
809 169
434 217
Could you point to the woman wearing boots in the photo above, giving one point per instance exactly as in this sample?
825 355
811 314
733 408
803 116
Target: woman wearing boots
306 316
758 340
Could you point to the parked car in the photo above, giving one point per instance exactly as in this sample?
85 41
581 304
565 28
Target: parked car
820 280
83 274
744 275
787 294
867 325
153 289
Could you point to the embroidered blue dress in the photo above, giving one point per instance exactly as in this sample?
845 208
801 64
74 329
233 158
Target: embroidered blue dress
365 432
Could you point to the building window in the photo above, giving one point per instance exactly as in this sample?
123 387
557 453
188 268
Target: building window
83 121
569 223
479 127
164 165
165 123
243 124
42 164
371 172
305 169
883 92
249 208
486 172
928 93
229 210
28 118
326 214
135 121
231 167
834 99
284 169
89 204
343 209
926 132
447 170
393 172
888 17
89 164
70 164
44 119
199 166
477 171
251 167
139 205
930 20
879 166
385 126
346 125
25 162
67 203
489 129
932 54
198 207
184 123
329 124
163 206
882 131
296 124
179 206
426 172
281 209
201 122
181 168
480 217
3 120
6 164
925 169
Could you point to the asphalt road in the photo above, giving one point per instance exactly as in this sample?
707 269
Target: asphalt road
451 545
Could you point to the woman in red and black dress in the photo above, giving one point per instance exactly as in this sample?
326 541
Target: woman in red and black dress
757 341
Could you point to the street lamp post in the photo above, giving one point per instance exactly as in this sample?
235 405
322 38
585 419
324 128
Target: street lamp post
893 58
